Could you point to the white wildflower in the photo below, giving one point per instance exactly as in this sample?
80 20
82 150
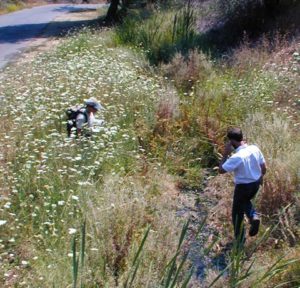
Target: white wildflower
2 222
25 263
72 231
7 205
74 197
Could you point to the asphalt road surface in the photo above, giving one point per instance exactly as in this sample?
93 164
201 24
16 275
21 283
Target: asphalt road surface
18 29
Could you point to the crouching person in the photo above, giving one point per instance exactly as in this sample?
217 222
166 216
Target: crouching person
81 120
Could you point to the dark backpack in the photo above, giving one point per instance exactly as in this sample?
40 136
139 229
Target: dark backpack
72 114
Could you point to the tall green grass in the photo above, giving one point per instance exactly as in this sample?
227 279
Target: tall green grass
161 34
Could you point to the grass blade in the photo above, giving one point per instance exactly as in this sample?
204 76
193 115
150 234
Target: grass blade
188 278
75 264
136 262
183 233
134 272
82 248
172 263
179 270
171 271
141 245
211 245
201 226
275 269
219 275
288 283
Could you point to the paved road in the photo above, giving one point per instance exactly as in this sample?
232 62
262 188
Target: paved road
19 28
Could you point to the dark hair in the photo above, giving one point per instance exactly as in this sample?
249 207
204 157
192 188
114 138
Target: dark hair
235 134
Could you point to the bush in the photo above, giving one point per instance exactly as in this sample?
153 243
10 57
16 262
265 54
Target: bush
186 71
11 5
234 19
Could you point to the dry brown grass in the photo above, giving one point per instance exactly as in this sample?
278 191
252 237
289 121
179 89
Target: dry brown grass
292 274
185 71
166 112
279 143
280 146
255 55
119 217
275 55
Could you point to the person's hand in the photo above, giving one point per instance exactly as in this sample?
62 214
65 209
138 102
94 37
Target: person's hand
261 180
227 149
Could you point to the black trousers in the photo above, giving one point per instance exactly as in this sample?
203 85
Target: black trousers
243 193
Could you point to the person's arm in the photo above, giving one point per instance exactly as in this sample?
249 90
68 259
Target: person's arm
263 168
227 152
80 121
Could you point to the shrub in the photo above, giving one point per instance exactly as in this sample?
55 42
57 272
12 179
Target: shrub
11 5
12 8
185 71
239 9
234 19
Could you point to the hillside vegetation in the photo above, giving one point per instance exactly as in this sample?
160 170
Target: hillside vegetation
103 212
11 6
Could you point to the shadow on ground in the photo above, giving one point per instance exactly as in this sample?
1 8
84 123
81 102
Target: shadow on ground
73 9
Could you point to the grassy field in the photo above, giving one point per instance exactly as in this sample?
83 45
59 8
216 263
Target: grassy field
51 184
254 86
101 212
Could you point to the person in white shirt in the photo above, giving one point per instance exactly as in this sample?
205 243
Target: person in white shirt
249 166
87 116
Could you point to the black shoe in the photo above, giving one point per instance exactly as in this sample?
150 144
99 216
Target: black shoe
254 226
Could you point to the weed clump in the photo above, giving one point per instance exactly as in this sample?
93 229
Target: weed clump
160 34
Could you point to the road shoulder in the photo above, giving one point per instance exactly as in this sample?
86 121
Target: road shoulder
54 33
